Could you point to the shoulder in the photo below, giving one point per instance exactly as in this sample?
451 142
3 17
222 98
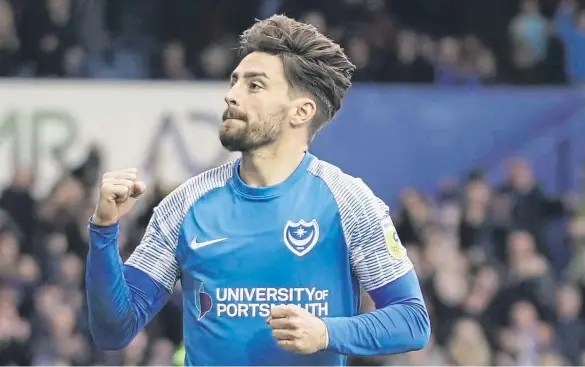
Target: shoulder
183 197
347 189
357 203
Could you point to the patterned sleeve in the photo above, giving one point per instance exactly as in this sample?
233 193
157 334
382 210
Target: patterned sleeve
156 253
376 254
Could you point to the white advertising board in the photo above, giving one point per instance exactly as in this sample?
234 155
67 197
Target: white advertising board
44 123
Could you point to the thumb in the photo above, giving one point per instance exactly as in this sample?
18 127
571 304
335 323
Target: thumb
139 189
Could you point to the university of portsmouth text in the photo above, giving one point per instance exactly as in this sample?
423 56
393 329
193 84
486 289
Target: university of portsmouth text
257 302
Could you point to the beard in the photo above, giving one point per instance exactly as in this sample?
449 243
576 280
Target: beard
238 134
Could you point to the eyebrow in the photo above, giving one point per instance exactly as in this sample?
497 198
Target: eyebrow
250 74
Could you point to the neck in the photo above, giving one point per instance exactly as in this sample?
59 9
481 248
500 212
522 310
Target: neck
270 165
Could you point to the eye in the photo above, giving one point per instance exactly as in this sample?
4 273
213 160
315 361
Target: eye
255 86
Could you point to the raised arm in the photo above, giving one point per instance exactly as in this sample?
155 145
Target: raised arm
122 299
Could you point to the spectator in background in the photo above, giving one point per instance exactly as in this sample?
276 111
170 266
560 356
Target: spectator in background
412 217
530 30
216 61
88 171
9 256
49 38
475 229
524 66
450 68
529 275
570 328
529 208
471 48
410 66
172 64
536 54
468 345
15 331
486 67
526 336
358 51
569 24
19 204
50 33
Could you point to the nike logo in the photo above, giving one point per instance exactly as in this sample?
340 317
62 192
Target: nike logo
197 245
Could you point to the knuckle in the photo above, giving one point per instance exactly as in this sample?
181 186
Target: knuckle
295 322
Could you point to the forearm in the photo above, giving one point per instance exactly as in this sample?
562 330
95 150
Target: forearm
397 327
393 329
121 300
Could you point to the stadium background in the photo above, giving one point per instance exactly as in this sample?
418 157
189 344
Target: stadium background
468 120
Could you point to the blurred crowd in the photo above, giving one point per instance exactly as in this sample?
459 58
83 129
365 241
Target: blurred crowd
43 247
502 270
416 41
502 285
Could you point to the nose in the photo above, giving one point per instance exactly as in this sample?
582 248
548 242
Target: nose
231 98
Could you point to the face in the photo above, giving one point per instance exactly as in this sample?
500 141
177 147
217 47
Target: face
258 104
174 56
523 315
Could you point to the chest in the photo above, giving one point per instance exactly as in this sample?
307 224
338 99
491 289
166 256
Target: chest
286 241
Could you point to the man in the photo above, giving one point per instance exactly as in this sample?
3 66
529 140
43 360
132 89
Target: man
271 250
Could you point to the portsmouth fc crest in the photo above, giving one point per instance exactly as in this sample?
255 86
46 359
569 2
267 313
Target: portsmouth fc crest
300 237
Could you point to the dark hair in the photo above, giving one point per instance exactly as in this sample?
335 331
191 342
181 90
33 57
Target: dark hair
312 62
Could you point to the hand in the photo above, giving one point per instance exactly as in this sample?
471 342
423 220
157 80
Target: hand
118 193
297 330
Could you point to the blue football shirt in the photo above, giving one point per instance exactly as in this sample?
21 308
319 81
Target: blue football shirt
239 250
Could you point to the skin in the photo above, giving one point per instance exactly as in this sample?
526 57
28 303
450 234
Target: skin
268 122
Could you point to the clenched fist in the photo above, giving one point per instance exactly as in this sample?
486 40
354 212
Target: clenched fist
297 330
118 192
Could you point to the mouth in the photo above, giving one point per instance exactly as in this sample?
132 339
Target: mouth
232 115
230 119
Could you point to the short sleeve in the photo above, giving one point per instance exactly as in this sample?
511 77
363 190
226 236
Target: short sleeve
377 255
156 253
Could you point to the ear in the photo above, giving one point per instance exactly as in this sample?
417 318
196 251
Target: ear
303 112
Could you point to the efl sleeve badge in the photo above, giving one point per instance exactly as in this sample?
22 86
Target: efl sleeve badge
393 243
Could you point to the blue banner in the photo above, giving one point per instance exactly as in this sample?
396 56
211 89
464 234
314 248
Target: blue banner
394 136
